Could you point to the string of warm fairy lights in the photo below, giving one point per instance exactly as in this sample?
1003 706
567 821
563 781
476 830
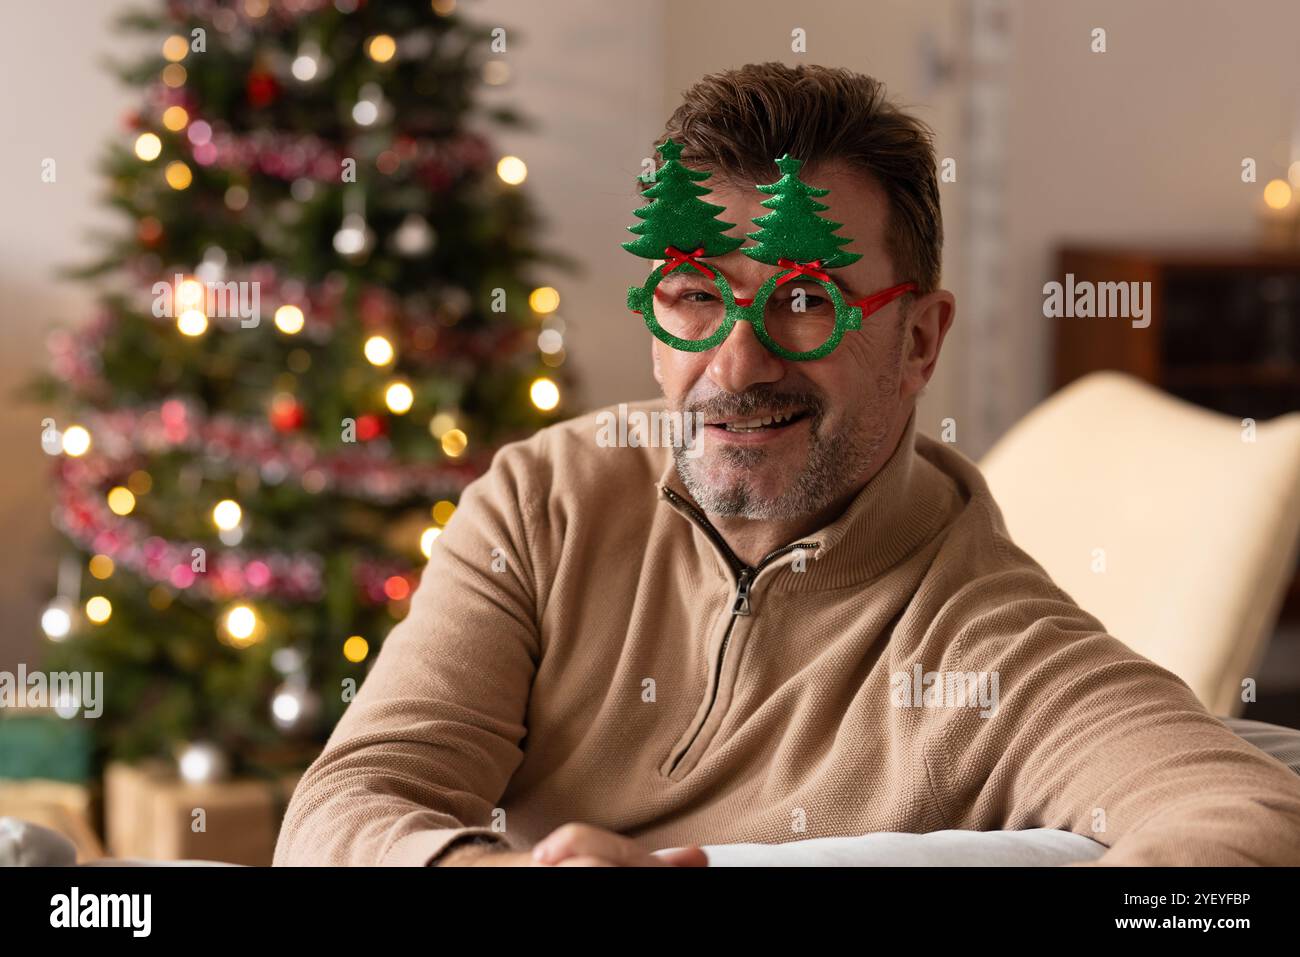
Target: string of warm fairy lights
304 162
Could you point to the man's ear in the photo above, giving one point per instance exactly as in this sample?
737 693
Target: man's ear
928 322
654 361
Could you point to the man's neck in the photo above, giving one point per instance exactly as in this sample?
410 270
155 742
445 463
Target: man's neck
752 540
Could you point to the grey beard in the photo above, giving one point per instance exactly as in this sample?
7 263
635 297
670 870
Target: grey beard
835 462
834 465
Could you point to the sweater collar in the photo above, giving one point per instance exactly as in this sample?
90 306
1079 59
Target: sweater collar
897 510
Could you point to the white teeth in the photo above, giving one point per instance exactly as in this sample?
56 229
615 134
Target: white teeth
749 425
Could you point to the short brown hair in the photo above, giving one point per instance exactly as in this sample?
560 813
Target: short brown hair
738 122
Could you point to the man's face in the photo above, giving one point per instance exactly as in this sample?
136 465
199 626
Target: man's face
841 408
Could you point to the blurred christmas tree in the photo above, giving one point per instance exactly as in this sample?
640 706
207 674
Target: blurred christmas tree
317 329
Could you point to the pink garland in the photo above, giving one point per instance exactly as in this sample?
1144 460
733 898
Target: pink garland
438 164
87 521
368 471
283 10
120 436
75 355
82 515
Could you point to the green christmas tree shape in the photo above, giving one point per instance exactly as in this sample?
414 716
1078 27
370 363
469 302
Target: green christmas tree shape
677 216
793 230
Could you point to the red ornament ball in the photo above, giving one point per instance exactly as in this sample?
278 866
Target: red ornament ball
369 427
261 88
149 231
287 414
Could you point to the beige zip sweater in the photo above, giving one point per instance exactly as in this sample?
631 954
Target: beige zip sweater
579 649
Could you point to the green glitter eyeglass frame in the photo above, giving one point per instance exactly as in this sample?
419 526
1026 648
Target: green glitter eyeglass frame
848 315
792 237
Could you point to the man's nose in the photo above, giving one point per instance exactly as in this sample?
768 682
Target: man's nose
742 361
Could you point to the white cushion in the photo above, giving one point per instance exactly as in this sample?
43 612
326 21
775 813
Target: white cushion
1041 847
1198 528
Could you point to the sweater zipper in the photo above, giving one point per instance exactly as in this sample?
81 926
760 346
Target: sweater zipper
745 575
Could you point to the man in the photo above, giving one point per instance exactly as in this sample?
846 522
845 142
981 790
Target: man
813 625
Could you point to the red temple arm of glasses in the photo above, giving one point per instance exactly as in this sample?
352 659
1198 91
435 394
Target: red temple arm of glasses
877 299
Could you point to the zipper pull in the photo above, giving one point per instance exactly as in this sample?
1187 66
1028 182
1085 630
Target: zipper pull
741 605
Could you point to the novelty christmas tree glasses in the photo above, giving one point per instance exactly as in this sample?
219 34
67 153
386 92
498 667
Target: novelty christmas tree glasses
798 314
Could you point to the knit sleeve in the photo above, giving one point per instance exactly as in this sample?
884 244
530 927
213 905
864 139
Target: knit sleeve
433 736
1090 737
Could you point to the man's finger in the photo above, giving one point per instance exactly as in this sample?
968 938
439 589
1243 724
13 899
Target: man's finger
586 860
584 839
683 857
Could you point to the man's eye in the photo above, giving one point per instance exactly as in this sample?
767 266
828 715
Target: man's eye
804 303
699 296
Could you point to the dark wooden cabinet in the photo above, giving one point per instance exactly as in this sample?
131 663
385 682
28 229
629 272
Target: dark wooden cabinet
1224 332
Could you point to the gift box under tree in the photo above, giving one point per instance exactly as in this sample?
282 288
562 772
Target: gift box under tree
151 813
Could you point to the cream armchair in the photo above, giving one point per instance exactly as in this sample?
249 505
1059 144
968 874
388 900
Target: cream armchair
1162 519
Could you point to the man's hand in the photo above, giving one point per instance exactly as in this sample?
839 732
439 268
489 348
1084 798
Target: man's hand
577 845
584 845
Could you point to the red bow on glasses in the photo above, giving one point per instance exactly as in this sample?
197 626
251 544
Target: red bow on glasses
678 258
812 269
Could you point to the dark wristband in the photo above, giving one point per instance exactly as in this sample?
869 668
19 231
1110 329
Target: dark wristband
468 840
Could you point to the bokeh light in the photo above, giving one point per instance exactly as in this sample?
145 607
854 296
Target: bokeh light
544 393
512 170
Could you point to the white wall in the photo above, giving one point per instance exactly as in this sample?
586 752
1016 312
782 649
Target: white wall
1143 143
55 102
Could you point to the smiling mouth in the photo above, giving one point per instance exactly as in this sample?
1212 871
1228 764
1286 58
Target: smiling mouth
764 423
